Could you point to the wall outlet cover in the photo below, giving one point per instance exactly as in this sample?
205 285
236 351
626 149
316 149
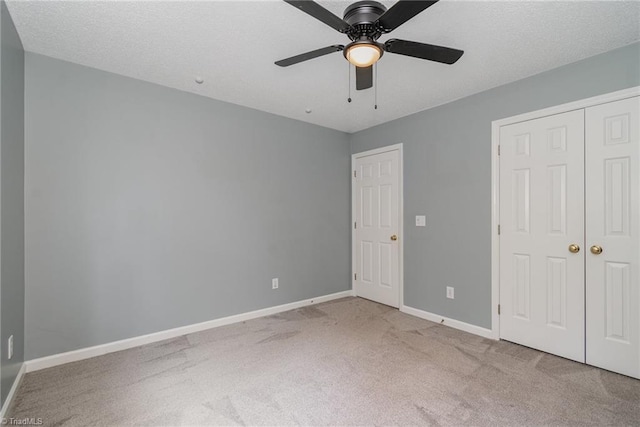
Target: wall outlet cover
450 293
421 221
274 283
10 347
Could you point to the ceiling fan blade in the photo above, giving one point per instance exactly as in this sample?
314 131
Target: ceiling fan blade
309 55
364 77
401 12
320 13
446 55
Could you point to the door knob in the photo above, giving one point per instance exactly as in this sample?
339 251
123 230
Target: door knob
394 237
573 248
596 250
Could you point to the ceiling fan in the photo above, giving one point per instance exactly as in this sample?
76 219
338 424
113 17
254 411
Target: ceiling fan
364 22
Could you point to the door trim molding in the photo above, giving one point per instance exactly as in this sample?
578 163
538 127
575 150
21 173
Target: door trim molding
495 179
386 149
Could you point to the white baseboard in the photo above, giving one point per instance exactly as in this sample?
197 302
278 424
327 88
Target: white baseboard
99 350
12 393
456 324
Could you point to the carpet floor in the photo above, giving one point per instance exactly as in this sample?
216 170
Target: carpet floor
344 362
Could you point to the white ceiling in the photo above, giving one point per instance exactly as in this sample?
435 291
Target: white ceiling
233 44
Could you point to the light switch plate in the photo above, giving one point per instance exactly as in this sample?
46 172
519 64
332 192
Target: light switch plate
421 221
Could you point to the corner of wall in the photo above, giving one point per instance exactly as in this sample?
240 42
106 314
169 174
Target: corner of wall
12 285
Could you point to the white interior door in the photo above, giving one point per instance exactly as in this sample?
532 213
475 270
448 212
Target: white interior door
376 228
613 224
541 215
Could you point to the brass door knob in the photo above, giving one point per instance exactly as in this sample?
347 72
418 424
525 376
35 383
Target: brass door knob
596 250
394 237
573 248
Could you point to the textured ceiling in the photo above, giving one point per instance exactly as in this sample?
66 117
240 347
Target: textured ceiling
233 44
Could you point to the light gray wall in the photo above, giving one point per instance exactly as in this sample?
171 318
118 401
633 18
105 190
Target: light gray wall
148 208
447 177
11 199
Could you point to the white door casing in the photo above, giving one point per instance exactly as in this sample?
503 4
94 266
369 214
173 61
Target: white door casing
613 223
377 219
541 215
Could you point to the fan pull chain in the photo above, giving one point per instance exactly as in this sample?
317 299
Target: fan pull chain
349 98
375 105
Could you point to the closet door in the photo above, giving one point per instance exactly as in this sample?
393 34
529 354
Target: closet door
613 236
542 231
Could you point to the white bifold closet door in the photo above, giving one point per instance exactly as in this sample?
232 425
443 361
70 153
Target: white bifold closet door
541 216
570 235
613 236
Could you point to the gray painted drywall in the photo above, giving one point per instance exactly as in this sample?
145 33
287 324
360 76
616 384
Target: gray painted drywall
447 177
148 208
11 200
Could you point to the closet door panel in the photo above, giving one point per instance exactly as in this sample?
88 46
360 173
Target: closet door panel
541 216
613 236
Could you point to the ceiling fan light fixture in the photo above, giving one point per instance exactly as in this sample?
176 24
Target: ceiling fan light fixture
363 53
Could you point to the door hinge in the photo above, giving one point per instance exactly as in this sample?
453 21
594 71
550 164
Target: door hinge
498 150
498 309
355 225
354 174
355 276
498 229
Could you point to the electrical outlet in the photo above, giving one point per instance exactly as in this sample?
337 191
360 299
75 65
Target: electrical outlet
10 347
274 283
450 292
421 221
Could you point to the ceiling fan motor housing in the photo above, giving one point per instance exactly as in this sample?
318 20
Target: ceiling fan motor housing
362 17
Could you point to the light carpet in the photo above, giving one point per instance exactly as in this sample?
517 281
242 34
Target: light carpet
344 362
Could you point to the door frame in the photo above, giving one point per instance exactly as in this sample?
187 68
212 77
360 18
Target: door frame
495 180
354 157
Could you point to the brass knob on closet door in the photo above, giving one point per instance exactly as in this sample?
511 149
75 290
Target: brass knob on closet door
573 248
596 250
394 237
